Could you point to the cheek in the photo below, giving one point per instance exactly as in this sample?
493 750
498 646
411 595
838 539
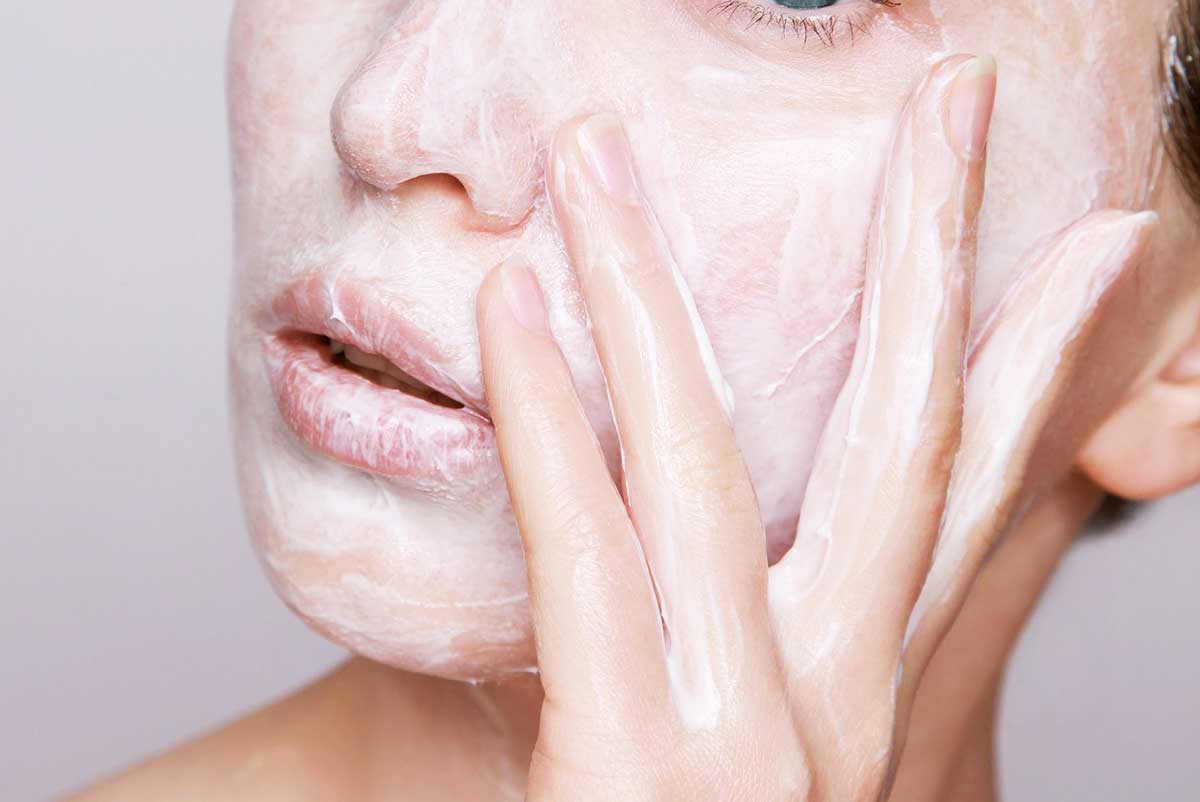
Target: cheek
1075 128
768 211
768 206
1041 178
771 231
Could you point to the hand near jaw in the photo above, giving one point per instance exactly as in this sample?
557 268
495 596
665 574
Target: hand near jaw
675 664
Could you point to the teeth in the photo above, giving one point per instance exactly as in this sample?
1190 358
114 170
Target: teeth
364 360
389 375
403 380
390 382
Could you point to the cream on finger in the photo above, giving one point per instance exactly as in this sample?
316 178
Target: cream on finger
909 363
687 489
1019 368
594 611
873 505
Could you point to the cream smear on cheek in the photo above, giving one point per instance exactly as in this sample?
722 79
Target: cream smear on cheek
774 265
921 264
763 179
1076 119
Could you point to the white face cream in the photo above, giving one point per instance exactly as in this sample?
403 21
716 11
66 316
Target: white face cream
388 154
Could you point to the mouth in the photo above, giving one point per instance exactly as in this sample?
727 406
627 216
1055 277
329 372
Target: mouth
376 369
354 383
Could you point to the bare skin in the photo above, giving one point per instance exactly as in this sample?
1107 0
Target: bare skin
737 700
670 672
350 734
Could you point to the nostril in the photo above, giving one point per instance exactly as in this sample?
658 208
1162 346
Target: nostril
381 147
472 152
441 193
449 198
446 184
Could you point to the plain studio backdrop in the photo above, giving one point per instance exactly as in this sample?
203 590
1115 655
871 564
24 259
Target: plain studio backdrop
132 611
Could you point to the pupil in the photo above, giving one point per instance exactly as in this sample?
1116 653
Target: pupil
805 3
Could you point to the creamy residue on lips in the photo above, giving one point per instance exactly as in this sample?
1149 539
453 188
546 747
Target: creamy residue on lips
358 422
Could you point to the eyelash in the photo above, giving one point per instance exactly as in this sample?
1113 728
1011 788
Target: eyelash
825 28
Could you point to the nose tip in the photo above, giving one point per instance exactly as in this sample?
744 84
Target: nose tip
366 139
387 134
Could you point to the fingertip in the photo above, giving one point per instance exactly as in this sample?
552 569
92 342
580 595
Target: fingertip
958 98
523 296
563 152
972 99
489 291
512 288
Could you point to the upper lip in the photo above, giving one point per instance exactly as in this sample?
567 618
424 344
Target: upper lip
358 313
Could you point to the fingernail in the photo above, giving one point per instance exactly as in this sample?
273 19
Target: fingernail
524 297
606 150
972 98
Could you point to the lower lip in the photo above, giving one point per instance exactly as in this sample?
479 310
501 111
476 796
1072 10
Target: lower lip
357 422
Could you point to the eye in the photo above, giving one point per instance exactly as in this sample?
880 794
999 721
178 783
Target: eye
805 3
803 20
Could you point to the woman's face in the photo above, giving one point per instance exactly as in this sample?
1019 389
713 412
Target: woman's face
760 134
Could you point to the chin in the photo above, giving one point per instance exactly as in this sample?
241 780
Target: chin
417 564
390 577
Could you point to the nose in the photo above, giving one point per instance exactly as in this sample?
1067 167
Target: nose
424 103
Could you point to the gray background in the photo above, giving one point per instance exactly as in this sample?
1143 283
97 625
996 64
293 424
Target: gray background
132 612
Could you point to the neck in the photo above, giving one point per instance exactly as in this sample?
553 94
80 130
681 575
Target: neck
447 740
949 753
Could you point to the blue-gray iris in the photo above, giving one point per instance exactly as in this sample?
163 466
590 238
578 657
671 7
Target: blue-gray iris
805 3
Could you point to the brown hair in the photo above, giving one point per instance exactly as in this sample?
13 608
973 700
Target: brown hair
1181 94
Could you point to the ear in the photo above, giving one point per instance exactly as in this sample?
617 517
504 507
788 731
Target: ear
1150 447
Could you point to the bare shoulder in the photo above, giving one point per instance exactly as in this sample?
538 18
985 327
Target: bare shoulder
277 753
364 732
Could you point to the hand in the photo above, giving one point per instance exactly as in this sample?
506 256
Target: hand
675 665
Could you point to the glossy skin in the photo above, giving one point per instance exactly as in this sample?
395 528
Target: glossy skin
662 637
658 642
762 158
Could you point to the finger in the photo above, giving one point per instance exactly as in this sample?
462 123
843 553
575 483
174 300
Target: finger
594 612
687 488
874 502
1025 358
